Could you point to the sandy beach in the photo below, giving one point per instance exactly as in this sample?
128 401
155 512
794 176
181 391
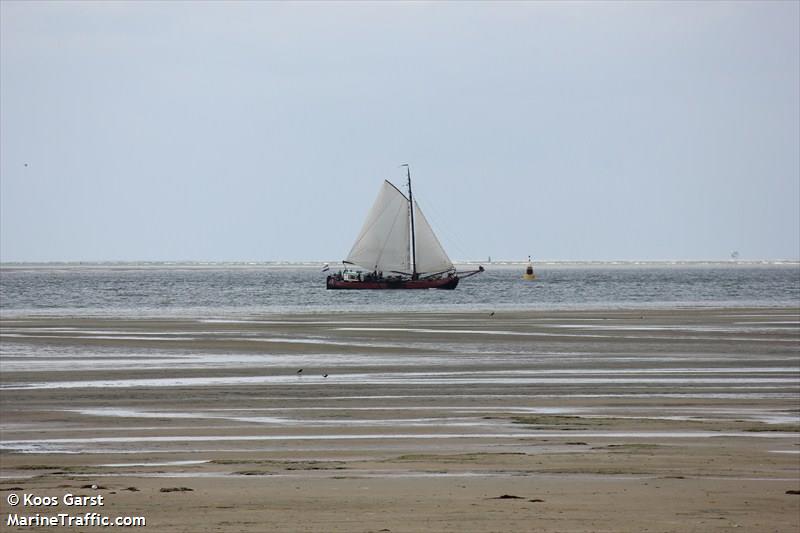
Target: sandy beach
586 420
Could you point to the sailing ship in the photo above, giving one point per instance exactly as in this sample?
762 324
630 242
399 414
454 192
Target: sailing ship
529 274
397 248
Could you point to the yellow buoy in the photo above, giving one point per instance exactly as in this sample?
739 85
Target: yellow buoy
529 275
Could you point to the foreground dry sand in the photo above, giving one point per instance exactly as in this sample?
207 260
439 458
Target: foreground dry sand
680 420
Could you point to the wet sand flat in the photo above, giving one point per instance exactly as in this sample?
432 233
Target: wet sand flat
584 420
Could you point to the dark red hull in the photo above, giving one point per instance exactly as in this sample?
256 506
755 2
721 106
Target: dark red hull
444 283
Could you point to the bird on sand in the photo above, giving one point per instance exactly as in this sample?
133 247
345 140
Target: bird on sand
324 375
491 314
299 371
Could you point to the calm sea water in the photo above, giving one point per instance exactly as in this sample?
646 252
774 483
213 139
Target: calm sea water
236 289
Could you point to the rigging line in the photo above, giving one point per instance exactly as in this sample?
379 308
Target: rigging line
437 221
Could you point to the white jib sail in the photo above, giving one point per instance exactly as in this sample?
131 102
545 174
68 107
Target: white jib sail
384 241
431 257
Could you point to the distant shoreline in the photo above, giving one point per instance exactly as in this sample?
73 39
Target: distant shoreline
335 264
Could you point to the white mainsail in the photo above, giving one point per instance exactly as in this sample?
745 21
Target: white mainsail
431 257
384 241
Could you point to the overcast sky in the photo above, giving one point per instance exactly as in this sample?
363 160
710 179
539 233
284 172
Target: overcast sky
262 131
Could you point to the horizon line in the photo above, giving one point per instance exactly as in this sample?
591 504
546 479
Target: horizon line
332 262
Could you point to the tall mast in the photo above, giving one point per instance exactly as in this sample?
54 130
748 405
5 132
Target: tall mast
411 212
